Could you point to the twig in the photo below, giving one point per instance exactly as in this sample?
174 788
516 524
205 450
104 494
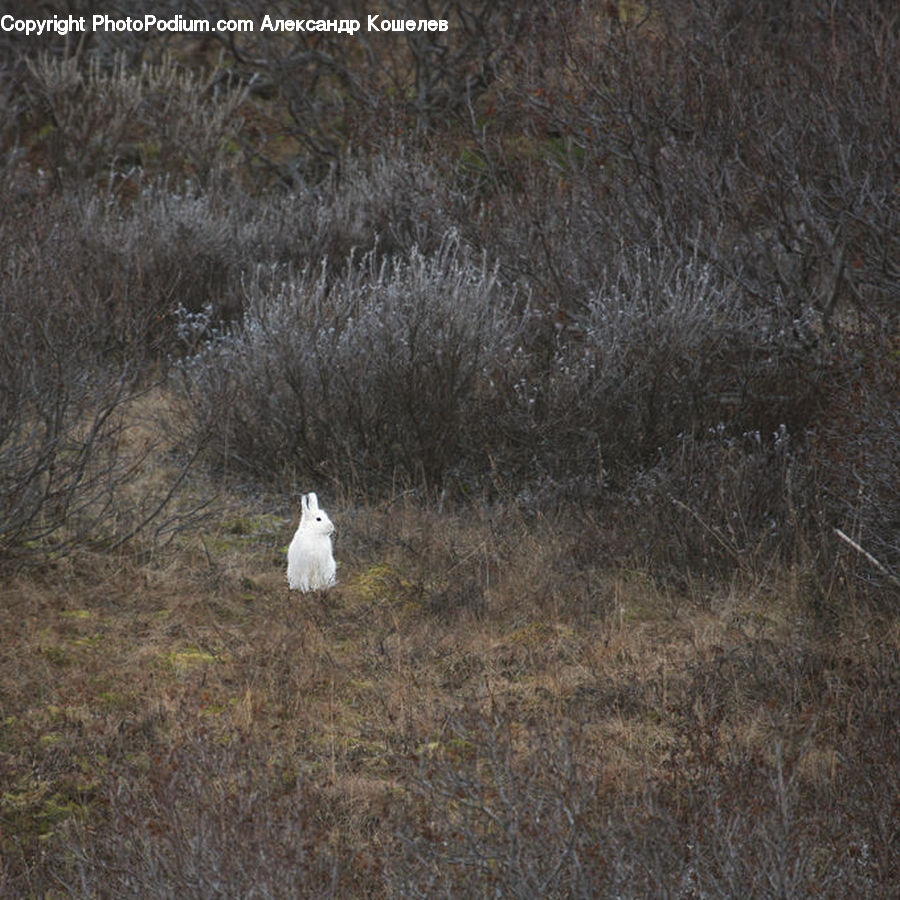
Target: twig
881 568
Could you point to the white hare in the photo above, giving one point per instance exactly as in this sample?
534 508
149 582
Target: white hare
310 563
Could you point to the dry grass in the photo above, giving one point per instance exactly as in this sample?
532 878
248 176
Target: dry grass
151 704
603 353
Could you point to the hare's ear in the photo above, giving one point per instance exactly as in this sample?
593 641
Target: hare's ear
304 503
312 502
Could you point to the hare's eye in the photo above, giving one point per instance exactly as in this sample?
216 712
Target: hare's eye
318 518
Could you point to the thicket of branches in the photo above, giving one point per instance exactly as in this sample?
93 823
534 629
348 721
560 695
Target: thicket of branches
645 258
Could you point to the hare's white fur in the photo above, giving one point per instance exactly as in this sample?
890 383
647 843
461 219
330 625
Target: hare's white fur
310 563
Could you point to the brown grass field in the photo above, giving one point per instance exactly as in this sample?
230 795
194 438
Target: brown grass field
174 720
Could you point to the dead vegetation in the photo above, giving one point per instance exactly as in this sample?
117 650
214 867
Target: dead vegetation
464 711
583 323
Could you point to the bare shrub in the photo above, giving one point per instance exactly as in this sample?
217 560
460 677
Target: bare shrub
213 819
57 440
108 121
74 438
69 451
367 379
768 156
390 201
134 261
122 273
339 92
171 250
665 348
